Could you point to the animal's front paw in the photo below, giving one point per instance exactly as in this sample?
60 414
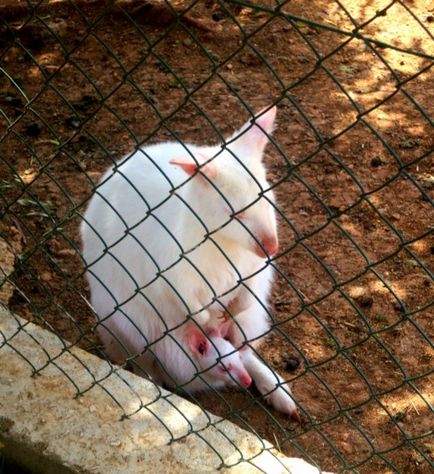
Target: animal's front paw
237 337
281 400
203 319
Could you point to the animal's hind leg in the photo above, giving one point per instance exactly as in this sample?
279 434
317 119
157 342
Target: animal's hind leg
146 366
114 348
117 351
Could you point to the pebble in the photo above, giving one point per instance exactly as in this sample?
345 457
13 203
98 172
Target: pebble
187 42
46 276
365 300
292 363
377 161
397 306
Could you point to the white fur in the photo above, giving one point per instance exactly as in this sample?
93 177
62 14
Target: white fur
150 272
269 384
219 366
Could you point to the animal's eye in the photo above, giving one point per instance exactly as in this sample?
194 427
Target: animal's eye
229 367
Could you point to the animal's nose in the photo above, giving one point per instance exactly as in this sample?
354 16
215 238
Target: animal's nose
269 247
245 380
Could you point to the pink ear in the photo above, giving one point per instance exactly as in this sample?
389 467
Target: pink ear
258 129
266 119
198 342
190 167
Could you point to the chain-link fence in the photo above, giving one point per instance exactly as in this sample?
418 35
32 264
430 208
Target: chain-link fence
350 162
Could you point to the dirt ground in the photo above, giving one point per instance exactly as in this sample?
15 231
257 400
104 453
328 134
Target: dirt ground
354 295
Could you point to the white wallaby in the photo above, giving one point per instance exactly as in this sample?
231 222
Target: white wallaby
175 236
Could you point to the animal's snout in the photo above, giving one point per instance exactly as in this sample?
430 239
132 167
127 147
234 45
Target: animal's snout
245 379
271 245
268 247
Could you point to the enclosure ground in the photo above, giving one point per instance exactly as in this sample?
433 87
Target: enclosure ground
352 162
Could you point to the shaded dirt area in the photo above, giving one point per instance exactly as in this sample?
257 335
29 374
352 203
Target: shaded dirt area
352 164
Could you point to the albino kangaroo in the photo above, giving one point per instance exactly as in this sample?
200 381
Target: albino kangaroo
174 236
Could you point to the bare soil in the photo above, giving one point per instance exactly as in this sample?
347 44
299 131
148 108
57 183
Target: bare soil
352 162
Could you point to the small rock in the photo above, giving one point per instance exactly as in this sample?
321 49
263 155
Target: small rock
46 276
398 306
292 363
365 300
187 42
377 161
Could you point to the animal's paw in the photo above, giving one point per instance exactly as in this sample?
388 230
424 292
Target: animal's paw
202 319
281 400
236 336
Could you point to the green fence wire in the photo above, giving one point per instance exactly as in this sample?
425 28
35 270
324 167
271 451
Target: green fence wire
85 83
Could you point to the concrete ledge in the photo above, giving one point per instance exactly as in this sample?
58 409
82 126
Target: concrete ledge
45 429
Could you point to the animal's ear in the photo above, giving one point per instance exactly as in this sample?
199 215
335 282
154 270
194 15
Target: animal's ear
189 166
198 341
256 131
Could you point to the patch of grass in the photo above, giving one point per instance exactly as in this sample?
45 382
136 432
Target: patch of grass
380 318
